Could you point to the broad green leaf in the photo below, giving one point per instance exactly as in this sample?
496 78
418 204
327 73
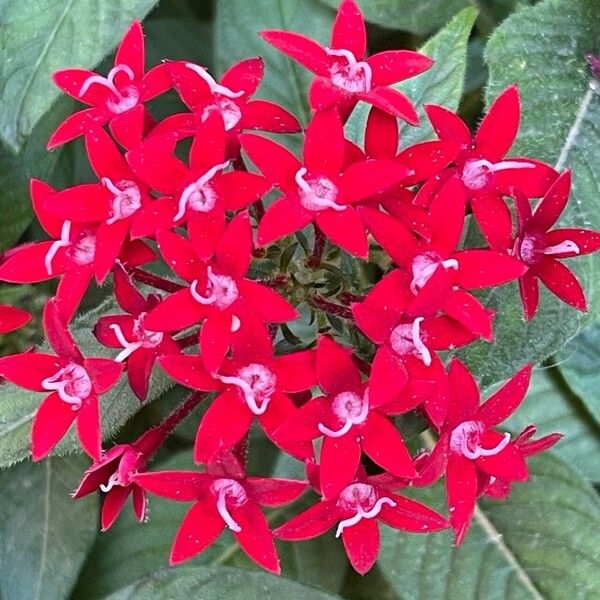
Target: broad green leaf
543 543
215 583
40 36
45 534
441 84
578 363
542 49
237 25
18 406
419 17
552 406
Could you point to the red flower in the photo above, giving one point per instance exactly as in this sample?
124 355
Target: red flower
117 98
70 255
231 98
473 449
322 190
356 510
199 194
253 384
483 168
114 206
140 346
114 473
344 76
75 383
223 497
12 318
349 422
541 248
232 307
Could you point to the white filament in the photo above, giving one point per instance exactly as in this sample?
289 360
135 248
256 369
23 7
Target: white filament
129 347
215 88
108 81
363 514
63 242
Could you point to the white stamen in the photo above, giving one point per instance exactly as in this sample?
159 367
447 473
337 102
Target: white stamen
354 68
229 520
63 242
350 408
222 290
206 196
466 438
363 514
319 195
215 88
126 199
235 323
406 338
130 347
108 81
72 383
563 248
418 342
230 489
423 268
112 481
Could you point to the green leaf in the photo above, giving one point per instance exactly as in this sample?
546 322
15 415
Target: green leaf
45 534
18 406
441 84
40 36
560 113
554 408
236 36
578 363
420 17
542 543
216 583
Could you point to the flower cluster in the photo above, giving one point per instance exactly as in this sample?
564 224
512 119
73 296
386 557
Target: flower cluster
212 325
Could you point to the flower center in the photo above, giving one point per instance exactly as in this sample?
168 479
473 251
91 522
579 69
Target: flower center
229 110
317 193
221 290
128 465
72 383
348 73
121 100
424 266
82 251
360 498
350 409
126 199
145 339
257 384
200 195
531 248
406 339
466 440
229 492
477 173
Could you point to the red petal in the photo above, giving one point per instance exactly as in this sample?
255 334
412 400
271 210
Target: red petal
104 156
303 424
388 377
12 318
587 241
182 486
88 427
245 76
494 219
464 401
179 254
461 488
208 147
367 178
29 369
75 125
268 116
85 203
296 372
506 400
139 370
384 445
71 81
324 143
530 294
58 334
552 205
70 291
26 265
205 231
561 281
409 515
340 458
336 371
155 215
52 420
323 94
509 463
135 253
255 538
109 242
193 89
484 268
306 51
427 158
283 217
274 491
189 371
381 135
234 251
200 527
215 339
103 372
429 298
467 310
361 542
314 521
224 424
345 228
448 125
131 50
128 128
113 504
139 503
176 312
444 333
238 189
533 181
393 66
127 295
447 216
266 304
498 130
40 193
392 101
349 30
155 82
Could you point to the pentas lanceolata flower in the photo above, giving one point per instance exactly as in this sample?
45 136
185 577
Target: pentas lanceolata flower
214 313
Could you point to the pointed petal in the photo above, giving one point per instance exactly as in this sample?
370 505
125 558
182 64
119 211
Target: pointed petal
205 231
104 373
129 127
215 339
426 159
179 254
238 189
131 50
209 144
109 242
155 82
345 228
127 295
561 281
409 515
140 504
587 241
245 75
340 458
530 294
182 486
393 66
75 125
296 372
367 178
324 143
40 193
283 217
336 371
176 312
26 265
448 125
464 400
314 521
189 371
139 370
349 31
306 51
104 156
323 94
29 369
461 489
274 491
70 291
112 505
552 205
361 542
393 102
58 334
268 116
381 134
267 304
447 216
88 427
234 251
12 318
508 464
467 310
302 425
494 219
154 215
484 268
52 420
388 377
533 181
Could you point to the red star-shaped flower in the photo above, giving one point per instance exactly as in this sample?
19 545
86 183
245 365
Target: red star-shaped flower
483 168
74 383
541 248
116 98
323 189
12 318
344 75
348 422
223 497
232 307
139 346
